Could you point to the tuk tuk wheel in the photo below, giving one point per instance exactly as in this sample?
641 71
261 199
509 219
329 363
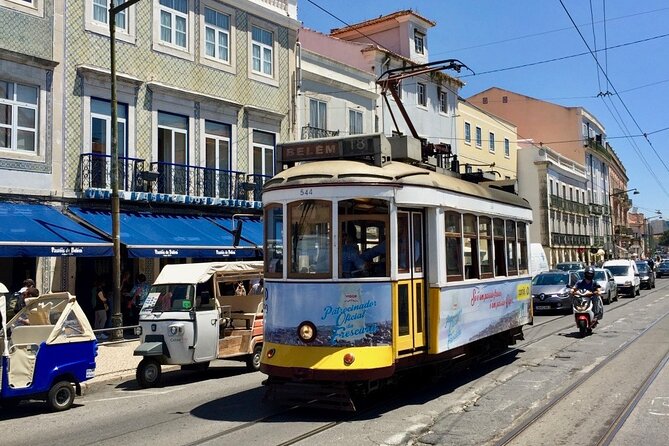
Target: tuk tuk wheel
61 396
253 361
148 373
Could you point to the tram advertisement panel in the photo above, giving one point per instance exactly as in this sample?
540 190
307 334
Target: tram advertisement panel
468 312
344 314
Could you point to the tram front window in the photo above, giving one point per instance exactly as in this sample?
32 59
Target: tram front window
310 239
363 238
274 240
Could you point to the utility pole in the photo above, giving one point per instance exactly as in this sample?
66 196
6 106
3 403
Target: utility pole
117 318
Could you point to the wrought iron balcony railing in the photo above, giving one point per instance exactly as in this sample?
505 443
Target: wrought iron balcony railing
309 132
136 175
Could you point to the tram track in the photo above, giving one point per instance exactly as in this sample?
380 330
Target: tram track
622 414
332 424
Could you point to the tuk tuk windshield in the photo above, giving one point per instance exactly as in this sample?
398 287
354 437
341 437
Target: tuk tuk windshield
169 297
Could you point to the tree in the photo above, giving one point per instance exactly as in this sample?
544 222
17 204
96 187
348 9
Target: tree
664 239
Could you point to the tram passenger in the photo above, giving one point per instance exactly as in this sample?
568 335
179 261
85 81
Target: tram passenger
351 261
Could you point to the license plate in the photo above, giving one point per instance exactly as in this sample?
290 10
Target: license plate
543 307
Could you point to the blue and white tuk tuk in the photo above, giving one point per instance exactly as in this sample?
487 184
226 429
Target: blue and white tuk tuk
48 349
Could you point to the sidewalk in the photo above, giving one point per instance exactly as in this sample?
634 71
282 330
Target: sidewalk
115 362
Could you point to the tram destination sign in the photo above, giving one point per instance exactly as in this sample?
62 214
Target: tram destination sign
331 148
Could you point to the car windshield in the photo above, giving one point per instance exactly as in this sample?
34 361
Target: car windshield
599 274
178 297
642 267
619 270
567 266
551 279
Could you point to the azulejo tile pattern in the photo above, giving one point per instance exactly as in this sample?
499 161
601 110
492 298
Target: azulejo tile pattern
27 34
141 61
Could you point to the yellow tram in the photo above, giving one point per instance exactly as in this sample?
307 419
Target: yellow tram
376 262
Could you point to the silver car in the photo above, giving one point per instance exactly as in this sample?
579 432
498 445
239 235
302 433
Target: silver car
551 290
608 290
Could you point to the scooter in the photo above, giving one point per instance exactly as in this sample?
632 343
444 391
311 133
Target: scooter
584 313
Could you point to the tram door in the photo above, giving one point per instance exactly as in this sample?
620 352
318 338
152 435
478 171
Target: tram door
411 281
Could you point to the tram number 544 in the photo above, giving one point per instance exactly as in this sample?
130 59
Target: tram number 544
306 192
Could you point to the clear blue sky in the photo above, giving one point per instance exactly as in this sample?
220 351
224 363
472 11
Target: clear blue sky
490 35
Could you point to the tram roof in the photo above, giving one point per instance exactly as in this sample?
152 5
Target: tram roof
392 173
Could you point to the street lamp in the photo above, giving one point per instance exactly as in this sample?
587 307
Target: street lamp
117 318
634 191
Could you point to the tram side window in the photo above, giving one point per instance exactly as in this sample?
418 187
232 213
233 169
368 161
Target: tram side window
273 240
453 246
363 236
522 248
485 247
402 242
471 247
309 239
499 247
512 248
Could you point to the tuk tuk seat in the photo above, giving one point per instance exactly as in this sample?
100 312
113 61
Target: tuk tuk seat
244 308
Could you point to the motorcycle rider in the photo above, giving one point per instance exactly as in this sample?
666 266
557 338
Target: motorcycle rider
588 283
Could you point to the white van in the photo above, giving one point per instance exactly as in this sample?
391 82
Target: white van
626 276
538 260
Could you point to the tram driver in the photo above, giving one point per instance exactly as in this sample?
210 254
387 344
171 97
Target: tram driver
352 264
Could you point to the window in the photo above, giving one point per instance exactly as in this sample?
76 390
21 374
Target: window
218 180
101 13
32 7
354 122
217 35
443 102
273 240
420 93
100 143
485 246
174 22
507 148
479 137
491 141
263 153
97 19
499 247
468 133
453 246
318 114
419 42
363 238
512 248
262 48
471 246
172 153
522 248
18 117
309 235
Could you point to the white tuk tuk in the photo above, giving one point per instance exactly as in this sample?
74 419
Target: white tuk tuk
195 313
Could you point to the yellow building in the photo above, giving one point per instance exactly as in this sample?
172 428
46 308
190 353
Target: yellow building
484 139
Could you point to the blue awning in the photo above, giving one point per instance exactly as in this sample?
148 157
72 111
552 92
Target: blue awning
168 235
252 228
38 230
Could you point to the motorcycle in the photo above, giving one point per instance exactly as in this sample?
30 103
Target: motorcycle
584 313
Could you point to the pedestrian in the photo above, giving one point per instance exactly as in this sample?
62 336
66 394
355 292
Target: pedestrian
101 307
27 292
139 293
258 287
126 297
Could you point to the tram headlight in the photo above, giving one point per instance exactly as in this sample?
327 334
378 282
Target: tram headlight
349 359
306 331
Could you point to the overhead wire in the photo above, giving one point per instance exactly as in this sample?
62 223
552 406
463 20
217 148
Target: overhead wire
636 123
594 39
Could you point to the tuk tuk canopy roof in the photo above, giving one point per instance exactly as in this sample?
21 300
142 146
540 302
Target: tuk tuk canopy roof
201 272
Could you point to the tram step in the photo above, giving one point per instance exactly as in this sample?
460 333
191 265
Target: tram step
323 396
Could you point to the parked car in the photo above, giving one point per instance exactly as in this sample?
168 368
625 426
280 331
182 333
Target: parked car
570 266
646 274
551 290
626 275
662 270
609 289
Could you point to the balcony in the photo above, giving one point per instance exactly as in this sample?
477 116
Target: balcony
597 147
596 209
558 239
136 175
309 132
598 241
